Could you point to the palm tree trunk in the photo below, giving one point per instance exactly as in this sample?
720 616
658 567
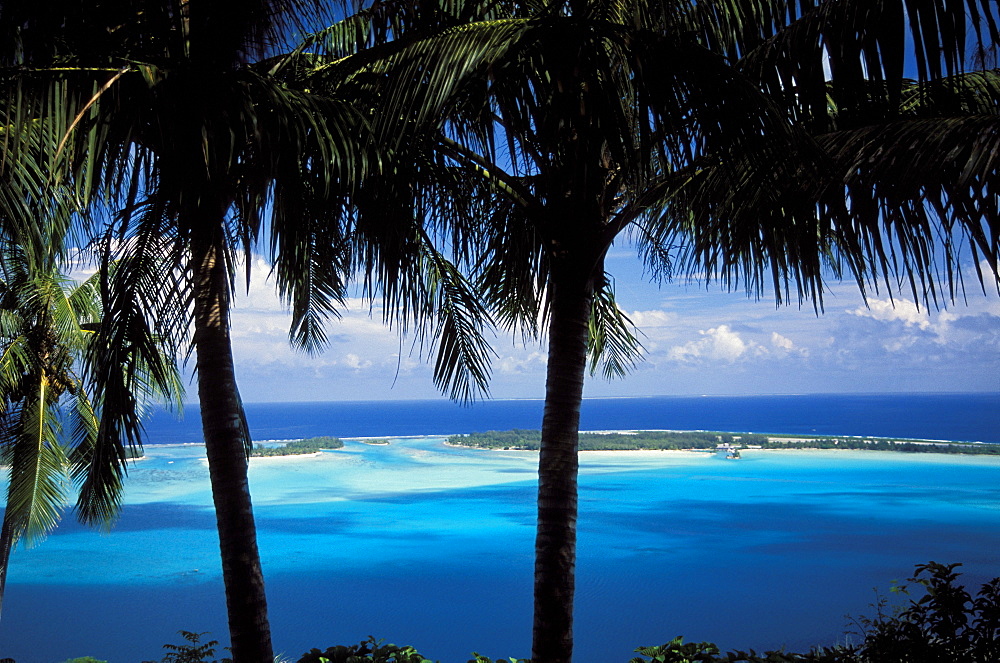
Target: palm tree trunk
226 440
555 542
6 545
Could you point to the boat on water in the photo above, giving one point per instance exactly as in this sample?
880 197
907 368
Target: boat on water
731 452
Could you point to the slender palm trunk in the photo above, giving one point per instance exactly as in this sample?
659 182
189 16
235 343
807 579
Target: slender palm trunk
6 545
226 439
555 542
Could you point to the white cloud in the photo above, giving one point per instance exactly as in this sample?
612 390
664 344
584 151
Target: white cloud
886 310
718 343
520 364
355 362
648 319
781 342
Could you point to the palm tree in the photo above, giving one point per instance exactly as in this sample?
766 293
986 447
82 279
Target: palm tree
773 142
184 142
198 155
54 419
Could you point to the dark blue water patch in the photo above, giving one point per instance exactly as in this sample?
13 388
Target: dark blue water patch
446 614
701 519
149 517
519 517
47 623
938 544
965 417
165 515
311 526
884 496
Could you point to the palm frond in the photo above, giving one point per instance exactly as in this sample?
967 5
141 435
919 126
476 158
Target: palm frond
832 52
918 192
98 470
971 93
462 364
613 343
131 362
36 496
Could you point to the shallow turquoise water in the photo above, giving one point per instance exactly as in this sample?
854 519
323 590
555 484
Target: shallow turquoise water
430 545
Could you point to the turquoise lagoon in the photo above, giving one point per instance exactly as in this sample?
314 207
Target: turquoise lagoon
425 544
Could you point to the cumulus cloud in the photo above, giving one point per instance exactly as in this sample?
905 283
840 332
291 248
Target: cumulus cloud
355 362
648 319
905 327
524 363
886 310
781 343
717 343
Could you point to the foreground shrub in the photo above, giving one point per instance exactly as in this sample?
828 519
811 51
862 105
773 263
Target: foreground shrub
677 651
479 658
193 651
945 624
368 651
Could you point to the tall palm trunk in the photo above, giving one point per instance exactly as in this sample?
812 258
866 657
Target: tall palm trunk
6 546
226 438
572 292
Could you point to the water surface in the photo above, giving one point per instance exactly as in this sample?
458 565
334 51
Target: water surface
430 545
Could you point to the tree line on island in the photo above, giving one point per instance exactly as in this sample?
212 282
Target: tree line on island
530 440
308 445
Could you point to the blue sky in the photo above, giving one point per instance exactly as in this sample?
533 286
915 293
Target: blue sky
698 340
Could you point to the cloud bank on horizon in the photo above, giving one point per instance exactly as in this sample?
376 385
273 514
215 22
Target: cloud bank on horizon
697 340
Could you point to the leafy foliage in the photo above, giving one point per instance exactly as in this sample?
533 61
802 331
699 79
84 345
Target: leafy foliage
479 658
367 651
944 625
307 446
677 651
57 421
192 651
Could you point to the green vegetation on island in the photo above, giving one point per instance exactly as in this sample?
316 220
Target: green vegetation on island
882 444
298 447
530 440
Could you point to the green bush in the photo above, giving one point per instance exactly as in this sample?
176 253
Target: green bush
677 651
944 625
193 651
479 658
368 651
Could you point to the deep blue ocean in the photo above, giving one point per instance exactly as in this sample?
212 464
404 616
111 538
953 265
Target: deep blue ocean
965 417
424 544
